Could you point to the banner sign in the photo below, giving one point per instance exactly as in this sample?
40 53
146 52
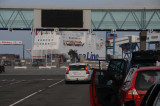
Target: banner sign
11 42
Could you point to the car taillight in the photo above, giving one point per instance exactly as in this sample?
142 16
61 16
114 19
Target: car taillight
87 72
132 94
67 72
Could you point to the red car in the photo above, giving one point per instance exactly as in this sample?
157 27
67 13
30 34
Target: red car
137 82
104 87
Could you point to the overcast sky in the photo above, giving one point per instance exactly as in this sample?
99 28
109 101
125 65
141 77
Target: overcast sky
81 3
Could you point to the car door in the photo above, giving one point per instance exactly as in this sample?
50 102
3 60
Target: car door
118 68
103 89
90 71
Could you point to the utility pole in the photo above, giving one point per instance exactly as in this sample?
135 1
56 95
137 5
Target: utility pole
143 36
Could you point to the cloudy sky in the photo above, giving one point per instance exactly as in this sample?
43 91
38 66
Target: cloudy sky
82 3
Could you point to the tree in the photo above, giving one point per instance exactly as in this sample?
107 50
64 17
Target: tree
73 55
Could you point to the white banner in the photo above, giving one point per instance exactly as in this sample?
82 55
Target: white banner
11 42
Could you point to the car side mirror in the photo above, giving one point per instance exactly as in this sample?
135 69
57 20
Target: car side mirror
129 103
109 82
126 83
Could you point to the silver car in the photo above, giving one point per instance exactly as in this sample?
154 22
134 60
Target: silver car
78 72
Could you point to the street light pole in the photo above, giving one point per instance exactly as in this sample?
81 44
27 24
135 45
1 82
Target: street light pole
32 46
46 57
23 51
51 57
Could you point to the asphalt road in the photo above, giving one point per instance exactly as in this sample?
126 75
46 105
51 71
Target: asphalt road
41 88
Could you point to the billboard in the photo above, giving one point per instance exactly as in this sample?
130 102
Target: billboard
62 18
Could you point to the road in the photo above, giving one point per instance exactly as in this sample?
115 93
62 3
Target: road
41 88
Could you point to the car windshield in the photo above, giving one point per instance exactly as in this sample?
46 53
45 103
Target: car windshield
116 66
146 78
77 67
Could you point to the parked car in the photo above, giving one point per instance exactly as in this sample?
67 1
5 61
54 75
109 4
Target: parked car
105 84
137 82
78 72
7 63
17 62
37 63
2 68
151 98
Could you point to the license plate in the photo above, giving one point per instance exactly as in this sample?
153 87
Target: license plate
76 73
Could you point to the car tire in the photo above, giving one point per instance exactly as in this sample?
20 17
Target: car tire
66 82
129 103
89 82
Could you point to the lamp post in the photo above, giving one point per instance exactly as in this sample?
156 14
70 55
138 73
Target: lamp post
51 57
32 46
46 57
114 34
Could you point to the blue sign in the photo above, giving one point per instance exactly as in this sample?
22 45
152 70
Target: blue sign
90 56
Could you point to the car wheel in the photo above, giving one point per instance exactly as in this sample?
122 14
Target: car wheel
129 103
66 82
89 82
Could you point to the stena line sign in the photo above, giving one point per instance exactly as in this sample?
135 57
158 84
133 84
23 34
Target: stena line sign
11 42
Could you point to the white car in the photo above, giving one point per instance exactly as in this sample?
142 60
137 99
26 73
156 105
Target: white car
78 72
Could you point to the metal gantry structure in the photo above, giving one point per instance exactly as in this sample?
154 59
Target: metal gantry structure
16 18
125 19
128 48
100 19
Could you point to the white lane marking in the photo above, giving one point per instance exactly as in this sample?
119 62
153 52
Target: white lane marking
12 83
23 99
15 82
31 80
48 79
55 83
13 79
34 93
4 80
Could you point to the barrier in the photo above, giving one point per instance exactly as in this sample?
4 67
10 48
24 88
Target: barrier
20 67
44 67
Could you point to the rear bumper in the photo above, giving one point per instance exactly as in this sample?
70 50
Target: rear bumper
137 101
78 78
